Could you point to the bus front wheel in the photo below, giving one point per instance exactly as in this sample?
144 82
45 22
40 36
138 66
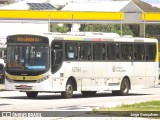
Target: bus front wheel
31 94
68 93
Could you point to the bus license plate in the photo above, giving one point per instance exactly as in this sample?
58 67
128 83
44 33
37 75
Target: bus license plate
23 86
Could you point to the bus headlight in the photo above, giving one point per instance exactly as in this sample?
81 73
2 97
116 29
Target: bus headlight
44 78
9 80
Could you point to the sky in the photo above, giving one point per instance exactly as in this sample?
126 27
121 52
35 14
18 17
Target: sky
152 1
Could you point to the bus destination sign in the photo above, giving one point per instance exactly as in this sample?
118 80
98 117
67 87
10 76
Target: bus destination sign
27 39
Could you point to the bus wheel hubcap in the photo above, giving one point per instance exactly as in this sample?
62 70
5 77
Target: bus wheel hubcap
69 90
124 87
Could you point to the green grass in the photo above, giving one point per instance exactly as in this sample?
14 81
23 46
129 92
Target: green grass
144 106
144 109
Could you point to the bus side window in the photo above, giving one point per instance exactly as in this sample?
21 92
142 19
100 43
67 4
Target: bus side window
71 50
151 52
98 51
126 51
139 52
85 51
113 51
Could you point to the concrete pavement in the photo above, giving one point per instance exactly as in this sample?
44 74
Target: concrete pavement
2 87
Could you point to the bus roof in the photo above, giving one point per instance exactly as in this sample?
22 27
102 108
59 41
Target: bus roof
111 37
92 36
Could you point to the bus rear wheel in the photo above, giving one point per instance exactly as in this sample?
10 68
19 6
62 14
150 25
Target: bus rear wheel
88 93
124 89
31 94
68 93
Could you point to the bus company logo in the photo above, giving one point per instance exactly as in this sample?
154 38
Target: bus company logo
6 114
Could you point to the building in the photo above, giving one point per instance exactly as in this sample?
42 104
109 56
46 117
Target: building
133 9
16 27
6 2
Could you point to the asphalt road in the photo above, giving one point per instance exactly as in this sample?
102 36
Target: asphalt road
18 101
15 101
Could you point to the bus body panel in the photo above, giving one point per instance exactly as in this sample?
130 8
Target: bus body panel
151 74
139 75
21 86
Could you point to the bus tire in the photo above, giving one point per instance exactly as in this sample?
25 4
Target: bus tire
32 94
124 87
68 93
88 93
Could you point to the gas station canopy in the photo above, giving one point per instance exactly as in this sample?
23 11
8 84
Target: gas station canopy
77 17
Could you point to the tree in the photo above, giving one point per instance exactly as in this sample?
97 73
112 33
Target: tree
152 30
116 28
135 29
62 29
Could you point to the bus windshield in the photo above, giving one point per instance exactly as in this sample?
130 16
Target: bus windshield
27 57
